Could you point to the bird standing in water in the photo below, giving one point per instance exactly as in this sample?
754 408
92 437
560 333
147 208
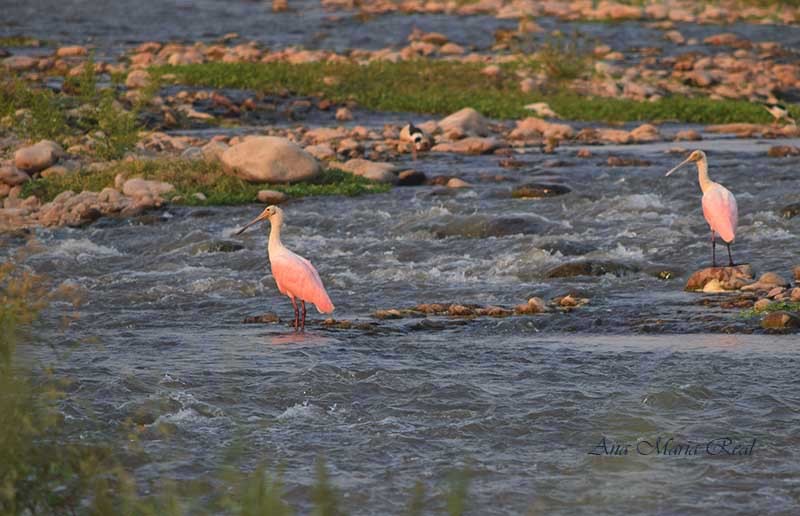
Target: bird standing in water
295 276
719 205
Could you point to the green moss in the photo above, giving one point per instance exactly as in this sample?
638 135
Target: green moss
775 306
441 87
20 41
190 177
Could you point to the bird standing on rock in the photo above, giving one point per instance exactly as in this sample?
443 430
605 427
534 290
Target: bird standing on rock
415 136
295 276
719 205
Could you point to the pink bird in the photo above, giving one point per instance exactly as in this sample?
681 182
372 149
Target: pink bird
295 276
719 205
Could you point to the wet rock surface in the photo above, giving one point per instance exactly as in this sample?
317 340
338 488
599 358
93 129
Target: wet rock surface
539 191
781 320
590 268
727 278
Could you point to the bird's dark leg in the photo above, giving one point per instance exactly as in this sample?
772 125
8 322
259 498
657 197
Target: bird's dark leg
296 314
303 324
730 258
414 152
713 250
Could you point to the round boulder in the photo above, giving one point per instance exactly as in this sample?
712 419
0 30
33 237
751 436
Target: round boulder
38 157
269 159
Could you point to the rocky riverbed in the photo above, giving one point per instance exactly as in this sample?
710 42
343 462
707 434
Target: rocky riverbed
517 278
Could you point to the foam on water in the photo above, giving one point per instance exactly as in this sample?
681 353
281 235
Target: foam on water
302 410
82 249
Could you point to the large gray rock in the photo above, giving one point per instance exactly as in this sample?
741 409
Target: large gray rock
269 159
38 157
466 122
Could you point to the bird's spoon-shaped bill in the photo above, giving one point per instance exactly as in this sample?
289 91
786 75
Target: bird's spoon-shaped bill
679 166
254 221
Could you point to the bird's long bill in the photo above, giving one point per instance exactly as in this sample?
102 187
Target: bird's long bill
254 221
679 166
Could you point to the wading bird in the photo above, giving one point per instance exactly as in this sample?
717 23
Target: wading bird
778 112
295 276
415 136
719 205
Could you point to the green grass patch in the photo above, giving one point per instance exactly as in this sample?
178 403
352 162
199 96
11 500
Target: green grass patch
442 87
44 112
34 112
775 306
20 41
192 176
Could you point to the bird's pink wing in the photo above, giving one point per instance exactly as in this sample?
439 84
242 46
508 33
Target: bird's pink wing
721 212
298 278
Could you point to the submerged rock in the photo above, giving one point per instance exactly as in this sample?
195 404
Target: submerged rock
218 246
373 170
590 268
267 318
781 151
471 145
411 178
478 226
455 182
790 211
270 159
729 278
617 161
780 320
538 191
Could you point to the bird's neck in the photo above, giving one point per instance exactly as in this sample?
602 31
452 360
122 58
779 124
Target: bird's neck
275 235
702 175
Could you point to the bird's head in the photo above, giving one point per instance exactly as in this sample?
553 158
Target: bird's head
420 141
694 157
271 213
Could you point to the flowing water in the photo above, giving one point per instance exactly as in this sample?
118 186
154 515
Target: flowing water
520 402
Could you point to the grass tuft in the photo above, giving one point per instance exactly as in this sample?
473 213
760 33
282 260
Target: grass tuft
190 177
442 87
775 306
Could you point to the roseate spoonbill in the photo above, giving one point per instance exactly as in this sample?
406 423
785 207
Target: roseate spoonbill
295 276
719 205
778 112
415 136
